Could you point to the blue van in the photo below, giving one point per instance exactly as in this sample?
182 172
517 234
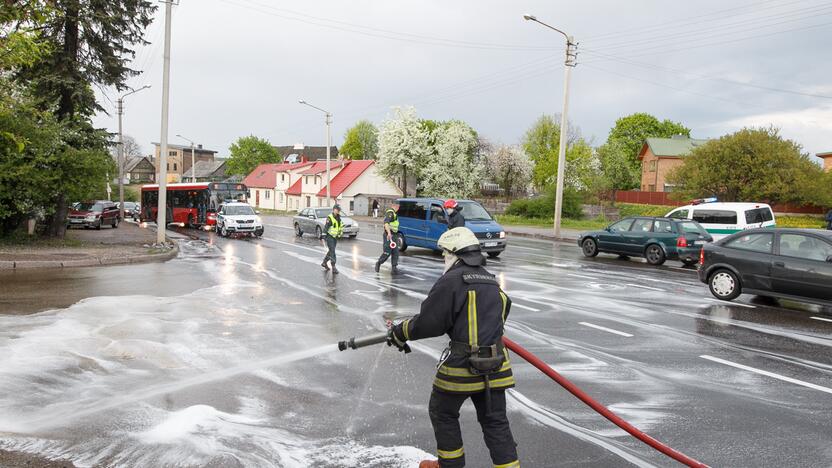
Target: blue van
423 220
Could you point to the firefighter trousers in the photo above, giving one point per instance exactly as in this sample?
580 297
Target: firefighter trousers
331 242
388 252
444 415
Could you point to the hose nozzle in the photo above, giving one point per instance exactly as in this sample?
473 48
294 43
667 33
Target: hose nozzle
355 343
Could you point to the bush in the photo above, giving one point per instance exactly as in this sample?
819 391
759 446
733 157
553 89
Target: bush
630 209
543 207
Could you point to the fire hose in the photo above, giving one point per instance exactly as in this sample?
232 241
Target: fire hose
355 343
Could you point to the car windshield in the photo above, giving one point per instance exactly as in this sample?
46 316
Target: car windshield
473 211
322 212
693 228
235 210
129 205
86 206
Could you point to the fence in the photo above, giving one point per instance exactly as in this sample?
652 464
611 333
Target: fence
663 198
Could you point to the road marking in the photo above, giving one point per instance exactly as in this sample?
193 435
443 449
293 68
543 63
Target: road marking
580 276
768 374
731 303
521 306
644 287
609 330
414 277
821 319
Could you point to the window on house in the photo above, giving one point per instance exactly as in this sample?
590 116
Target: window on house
267 194
282 177
174 167
280 197
168 166
352 206
172 153
653 165
308 201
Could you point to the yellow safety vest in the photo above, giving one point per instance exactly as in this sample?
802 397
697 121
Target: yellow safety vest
394 224
336 228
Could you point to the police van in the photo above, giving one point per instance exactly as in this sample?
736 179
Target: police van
724 219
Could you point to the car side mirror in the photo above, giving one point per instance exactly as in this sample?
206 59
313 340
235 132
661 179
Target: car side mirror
256 212
311 216
608 229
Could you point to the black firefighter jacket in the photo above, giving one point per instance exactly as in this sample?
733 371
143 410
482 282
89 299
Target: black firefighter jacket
466 304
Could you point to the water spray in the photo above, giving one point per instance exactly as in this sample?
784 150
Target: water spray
356 343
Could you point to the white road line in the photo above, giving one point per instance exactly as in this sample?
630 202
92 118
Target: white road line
740 304
580 276
644 287
414 277
609 330
821 319
521 306
768 374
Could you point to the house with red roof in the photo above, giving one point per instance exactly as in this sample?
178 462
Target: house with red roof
268 184
349 181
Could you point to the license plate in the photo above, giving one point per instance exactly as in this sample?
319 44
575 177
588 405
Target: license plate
76 221
700 242
490 244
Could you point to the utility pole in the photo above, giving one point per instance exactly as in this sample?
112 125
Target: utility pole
570 63
328 145
193 163
120 106
161 209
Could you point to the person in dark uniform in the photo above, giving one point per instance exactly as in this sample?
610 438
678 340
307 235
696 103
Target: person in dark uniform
390 234
333 229
467 304
454 211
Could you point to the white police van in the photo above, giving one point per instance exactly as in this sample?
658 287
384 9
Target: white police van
723 219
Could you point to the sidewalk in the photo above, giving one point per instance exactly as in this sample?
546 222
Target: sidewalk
566 235
129 243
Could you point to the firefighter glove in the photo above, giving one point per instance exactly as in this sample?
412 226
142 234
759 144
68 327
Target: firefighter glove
394 340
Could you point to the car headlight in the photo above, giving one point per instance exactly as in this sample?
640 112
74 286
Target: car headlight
355 224
502 234
230 221
257 220
90 218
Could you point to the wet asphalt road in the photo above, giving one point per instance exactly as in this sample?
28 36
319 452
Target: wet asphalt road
217 359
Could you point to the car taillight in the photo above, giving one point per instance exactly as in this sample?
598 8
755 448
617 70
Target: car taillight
702 256
681 242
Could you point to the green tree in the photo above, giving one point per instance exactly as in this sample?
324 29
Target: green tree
619 155
404 146
753 164
361 141
249 152
542 142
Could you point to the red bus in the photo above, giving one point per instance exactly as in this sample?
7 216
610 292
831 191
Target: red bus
191 204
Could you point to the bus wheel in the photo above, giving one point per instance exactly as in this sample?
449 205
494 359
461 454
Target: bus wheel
191 224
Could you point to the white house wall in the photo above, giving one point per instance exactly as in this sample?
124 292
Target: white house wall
370 182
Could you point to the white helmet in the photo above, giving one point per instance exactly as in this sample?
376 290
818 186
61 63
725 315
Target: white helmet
462 242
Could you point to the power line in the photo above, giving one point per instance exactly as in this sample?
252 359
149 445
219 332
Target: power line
705 77
385 34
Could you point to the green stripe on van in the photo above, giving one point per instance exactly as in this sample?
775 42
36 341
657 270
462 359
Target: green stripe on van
731 231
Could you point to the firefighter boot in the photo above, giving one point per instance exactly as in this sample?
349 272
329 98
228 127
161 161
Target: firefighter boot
324 265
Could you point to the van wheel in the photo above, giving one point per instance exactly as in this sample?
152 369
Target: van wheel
654 254
402 243
494 254
724 285
589 247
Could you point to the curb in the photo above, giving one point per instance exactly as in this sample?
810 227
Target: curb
93 261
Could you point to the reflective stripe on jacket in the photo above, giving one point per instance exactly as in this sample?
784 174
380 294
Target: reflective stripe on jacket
467 304
394 220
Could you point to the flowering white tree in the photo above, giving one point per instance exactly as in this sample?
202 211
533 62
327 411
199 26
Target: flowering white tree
403 146
451 170
510 167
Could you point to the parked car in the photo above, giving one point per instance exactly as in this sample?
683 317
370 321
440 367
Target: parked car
655 239
313 220
786 263
94 214
131 210
724 219
423 220
238 218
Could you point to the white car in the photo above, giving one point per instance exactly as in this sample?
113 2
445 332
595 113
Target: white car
235 217
723 219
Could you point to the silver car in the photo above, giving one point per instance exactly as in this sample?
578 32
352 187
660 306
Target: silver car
310 220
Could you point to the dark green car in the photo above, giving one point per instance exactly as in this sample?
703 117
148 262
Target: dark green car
655 239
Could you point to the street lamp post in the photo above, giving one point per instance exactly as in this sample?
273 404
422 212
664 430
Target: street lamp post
571 56
120 107
193 159
161 210
328 144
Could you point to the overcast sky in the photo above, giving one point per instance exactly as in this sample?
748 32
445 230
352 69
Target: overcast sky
239 67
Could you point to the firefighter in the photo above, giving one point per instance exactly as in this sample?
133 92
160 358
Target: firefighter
333 229
467 304
454 211
390 237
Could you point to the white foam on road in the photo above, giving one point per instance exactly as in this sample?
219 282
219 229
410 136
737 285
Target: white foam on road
608 330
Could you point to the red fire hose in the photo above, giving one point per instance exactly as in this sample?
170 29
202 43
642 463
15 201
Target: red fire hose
601 409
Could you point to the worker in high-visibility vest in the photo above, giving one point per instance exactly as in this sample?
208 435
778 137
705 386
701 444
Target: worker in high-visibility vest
333 229
390 238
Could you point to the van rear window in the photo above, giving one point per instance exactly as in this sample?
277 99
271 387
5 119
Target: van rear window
715 216
758 215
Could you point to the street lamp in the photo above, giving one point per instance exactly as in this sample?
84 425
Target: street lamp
193 160
571 55
328 143
120 108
